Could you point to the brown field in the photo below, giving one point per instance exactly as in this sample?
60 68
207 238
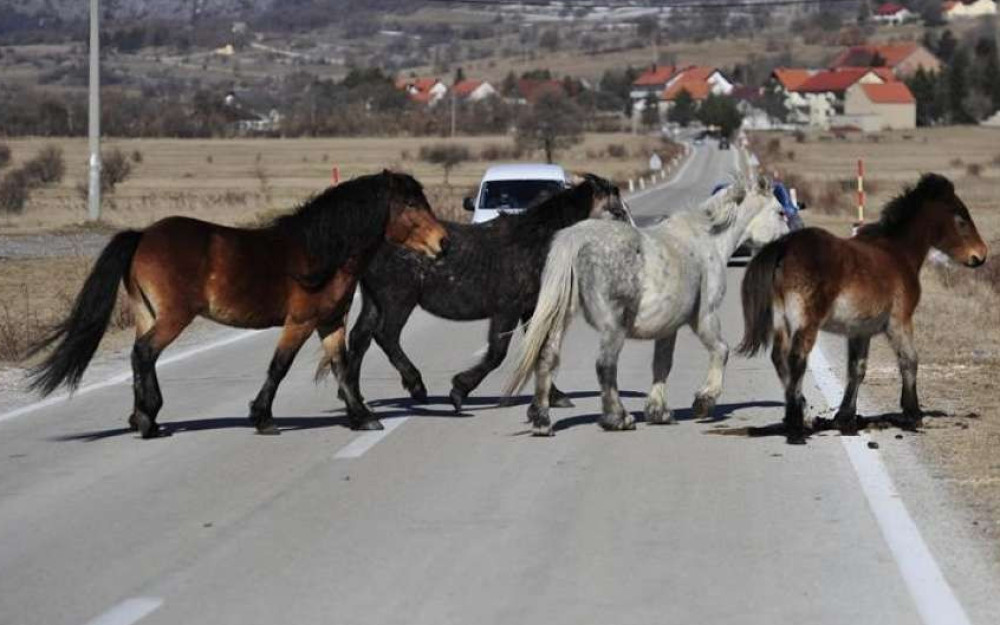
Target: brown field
958 321
236 180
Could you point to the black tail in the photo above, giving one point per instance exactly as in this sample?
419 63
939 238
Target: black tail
80 333
757 293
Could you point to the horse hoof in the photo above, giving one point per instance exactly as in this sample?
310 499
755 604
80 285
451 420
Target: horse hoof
628 423
341 396
798 438
268 429
419 394
457 397
368 426
147 428
542 430
703 407
132 424
613 425
660 416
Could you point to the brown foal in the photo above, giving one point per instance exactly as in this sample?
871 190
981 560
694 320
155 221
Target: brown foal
299 272
811 280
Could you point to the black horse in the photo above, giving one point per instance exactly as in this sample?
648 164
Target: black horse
492 271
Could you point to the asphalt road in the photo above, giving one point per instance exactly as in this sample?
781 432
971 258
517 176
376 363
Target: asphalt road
443 518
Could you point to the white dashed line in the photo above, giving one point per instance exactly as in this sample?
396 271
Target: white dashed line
128 611
935 600
359 446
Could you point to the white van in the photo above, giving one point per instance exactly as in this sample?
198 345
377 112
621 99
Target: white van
514 188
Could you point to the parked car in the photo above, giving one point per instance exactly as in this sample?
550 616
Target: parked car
514 188
723 143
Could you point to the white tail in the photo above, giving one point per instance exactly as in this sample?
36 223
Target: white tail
556 301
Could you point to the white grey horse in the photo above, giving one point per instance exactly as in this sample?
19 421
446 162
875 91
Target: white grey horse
644 284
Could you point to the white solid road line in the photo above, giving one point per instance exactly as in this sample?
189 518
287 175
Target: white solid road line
128 611
935 600
673 179
126 375
364 442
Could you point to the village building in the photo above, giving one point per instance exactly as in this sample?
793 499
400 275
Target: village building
968 9
903 58
872 107
825 91
665 84
893 14
427 91
473 90
783 84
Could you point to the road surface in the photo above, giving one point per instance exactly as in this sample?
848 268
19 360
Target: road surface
447 518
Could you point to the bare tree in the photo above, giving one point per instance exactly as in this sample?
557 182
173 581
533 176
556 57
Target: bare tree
553 122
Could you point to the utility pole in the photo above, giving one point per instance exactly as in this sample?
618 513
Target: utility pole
94 194
453 112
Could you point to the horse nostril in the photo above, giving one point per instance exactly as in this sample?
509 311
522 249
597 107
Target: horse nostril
444 244
976 260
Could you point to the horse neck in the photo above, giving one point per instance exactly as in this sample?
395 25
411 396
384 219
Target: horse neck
729 239
913 242
542 222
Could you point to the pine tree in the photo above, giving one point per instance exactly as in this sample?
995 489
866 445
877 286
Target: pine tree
683 109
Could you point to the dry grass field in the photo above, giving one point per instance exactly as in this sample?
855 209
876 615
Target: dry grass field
958 322
227 181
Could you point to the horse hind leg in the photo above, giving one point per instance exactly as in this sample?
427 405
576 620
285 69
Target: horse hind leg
145 385
798 357
846 418
710 333
545 371
557 398
501 328
901 339
613 416
359 416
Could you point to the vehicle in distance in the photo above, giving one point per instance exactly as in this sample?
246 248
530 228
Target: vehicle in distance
723 143
514 189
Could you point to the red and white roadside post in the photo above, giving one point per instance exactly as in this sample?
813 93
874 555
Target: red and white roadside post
335 175
861 198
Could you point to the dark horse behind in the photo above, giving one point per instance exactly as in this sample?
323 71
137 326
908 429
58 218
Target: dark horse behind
492 271
299 272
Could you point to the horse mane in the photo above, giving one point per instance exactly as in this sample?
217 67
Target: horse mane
341 222
902 209
720 210
536 225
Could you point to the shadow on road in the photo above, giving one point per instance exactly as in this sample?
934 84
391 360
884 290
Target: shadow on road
722 413
885 421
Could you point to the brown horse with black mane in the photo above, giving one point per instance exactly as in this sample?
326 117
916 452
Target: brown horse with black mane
299 272
811 280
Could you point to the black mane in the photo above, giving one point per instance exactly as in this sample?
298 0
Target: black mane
343 221
901 210
535 226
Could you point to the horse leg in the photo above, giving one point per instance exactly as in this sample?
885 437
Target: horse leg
557 398
293 335
614 416
361 339
145 385
846 418
709 331
545 371
387 337
798 358
779 356
333 336
901 339
501 327
657 411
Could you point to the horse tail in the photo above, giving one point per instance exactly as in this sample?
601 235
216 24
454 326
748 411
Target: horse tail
556 300
78 335
757 293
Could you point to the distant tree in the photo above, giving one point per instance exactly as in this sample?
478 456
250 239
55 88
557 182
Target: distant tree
651 112
447 155
773 103
459 76
721 111
509 84
552 123
924 86
977 105
549 40
931 14
946 46
540 73
958 88
683 109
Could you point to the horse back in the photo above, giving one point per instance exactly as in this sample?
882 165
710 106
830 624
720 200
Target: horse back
236 276
842 282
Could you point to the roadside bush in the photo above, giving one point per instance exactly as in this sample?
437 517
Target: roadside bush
115 168
974 169
48 167
447 155
617 150
4 155
14 190
498 152
137 156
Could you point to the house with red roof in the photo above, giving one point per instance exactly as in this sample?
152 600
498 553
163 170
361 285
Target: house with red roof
893 14
902 58
783 84
824 91
424 90
664 84
871 107
473 90
652 82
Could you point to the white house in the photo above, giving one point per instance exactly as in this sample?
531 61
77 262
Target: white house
893 14
473 90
